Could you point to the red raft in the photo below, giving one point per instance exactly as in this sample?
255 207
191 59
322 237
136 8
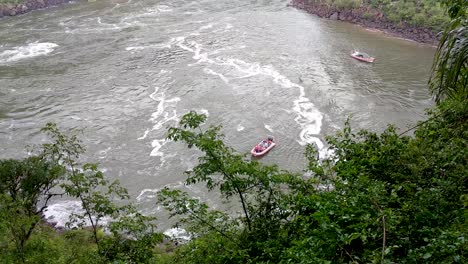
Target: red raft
362 56
263 147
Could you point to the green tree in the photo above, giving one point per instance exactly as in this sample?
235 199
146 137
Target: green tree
26 186
259 189
390 199
132 235
450 68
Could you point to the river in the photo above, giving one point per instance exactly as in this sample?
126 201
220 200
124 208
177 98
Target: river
124 72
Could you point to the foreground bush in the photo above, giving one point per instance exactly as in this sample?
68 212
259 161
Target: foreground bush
395 199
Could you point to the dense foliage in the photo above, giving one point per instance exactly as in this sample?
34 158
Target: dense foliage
450 69
4 2
394 199
26 187
424 13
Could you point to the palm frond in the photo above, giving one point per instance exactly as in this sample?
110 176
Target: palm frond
450 68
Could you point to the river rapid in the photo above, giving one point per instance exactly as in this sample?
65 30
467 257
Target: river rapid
125 71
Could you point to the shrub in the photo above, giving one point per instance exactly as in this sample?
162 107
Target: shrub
4 2
367 15
347 4
419 19
393 17
406 10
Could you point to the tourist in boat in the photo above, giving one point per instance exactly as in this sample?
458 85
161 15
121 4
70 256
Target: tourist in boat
358 54
270 140
362 56
263 147
258 149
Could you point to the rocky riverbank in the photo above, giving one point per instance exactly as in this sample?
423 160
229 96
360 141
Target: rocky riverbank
369 18
27 6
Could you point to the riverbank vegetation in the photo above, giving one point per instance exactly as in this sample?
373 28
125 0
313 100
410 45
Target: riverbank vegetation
383 197
424 13
418 20
11 1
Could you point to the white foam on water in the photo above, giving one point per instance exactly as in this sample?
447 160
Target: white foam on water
326 153
136 48
147 194
268 128
178 234
110 26
144 135
308 117
205 111
147 12
157 144
159 118
155 46
210 25
122 23
178 41
60 212
103 153
29 51
240 127
164 8
165 113
96 25
246 69
150 194
195 48
222 77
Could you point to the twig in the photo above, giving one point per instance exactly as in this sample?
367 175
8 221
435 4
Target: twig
384 238
213 227
384 229
422 123
347 253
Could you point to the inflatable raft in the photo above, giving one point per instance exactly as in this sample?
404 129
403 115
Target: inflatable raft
263 147
362 56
